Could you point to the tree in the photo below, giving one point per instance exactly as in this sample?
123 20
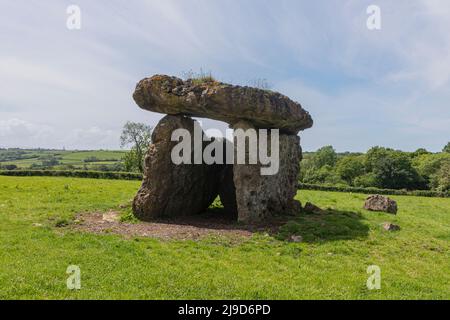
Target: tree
419 152
395 171
350 167
447 148
324 156
324 175
428 165
138 135
441 181
374 155
130 161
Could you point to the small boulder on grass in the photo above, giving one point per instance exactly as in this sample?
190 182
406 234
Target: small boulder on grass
391 227
380 203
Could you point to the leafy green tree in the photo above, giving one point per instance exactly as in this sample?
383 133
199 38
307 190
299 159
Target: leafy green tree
350 167
324 156
395 171
374 155
138 135
324 175
365 181
131 161
428 166
447 148
441 181
319 167
419 152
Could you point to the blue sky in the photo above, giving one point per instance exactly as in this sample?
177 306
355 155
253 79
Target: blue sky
73 88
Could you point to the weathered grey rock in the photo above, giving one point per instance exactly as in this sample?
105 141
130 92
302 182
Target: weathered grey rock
220 101
169 189
380 203
248 195
391 227
260 196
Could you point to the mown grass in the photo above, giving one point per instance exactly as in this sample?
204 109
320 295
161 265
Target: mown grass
330 263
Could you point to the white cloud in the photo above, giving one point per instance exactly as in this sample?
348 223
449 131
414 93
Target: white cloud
21 133
14 132
92 138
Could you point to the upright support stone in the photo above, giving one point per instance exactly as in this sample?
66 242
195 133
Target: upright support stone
260 196
169 189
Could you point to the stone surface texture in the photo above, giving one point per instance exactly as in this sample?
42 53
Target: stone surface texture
221 101
174 190
260 196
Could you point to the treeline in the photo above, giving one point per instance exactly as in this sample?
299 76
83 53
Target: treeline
380 167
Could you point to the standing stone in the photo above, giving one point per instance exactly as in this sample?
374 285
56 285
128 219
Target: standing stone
261 196
169 189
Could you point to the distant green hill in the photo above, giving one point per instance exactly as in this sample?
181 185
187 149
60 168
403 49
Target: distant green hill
61 159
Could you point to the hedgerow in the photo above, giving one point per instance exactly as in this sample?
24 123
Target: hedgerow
418 193
74 174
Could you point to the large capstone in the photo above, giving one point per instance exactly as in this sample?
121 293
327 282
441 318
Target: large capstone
170 189
221 101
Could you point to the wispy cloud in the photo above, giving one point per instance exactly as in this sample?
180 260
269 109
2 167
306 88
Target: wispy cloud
386 87
15 132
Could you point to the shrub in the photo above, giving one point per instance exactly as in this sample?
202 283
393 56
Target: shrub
9 167
350 167
441 180
365 181
446 148
393 169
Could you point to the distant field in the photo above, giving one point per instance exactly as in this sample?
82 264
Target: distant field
24 159
38 242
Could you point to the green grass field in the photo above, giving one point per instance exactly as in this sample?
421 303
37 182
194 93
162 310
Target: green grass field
330 263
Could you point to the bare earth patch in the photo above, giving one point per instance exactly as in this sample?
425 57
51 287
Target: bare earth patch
186 228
